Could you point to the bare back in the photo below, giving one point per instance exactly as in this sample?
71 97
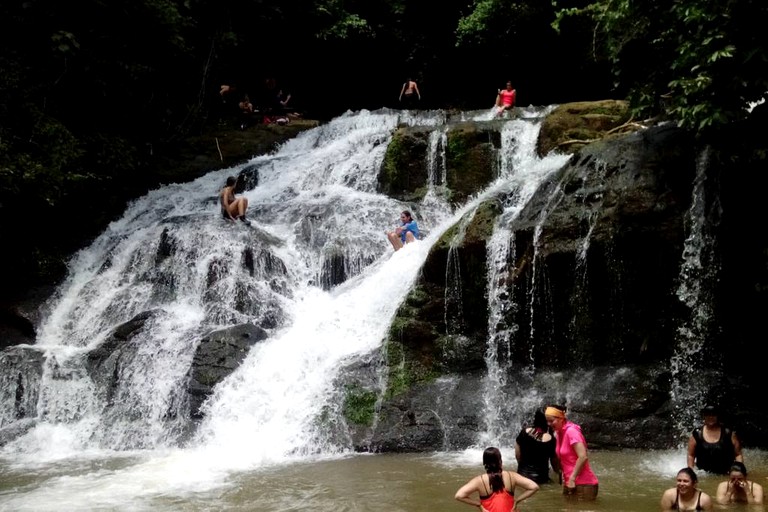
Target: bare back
226 198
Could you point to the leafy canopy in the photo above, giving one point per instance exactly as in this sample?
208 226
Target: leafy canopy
696 59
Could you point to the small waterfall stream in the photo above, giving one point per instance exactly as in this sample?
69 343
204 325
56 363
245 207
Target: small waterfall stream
698 274
523 172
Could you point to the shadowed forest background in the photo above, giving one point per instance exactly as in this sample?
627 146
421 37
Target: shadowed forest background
94 94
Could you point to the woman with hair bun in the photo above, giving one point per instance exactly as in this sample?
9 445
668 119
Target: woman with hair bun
535 450
496 488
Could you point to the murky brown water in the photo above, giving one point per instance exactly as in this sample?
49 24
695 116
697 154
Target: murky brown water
630 481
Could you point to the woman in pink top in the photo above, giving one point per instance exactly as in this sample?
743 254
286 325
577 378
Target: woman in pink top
578 478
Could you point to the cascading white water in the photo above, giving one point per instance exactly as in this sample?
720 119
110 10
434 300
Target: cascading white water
173 258
522 171
699 270
434 203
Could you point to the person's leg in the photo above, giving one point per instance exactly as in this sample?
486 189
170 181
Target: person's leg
581 492
242 205
394 239
409 237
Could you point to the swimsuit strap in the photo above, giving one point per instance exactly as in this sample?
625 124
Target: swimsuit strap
487 492
698 502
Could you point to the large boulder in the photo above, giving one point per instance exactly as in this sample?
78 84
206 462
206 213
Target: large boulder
218 355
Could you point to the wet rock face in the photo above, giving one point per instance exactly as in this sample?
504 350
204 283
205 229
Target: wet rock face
591 281
606 254
471 158
217 356
471 155
403 173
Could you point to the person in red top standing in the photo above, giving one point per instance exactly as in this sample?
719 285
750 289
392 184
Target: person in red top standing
496 488
506 99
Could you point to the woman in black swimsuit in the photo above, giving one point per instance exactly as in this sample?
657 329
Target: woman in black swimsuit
713 446
685 496
535 450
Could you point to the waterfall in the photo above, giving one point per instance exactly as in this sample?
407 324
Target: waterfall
171 270
174 260
581 301
538 293
698 273
523 171
454 307
434 202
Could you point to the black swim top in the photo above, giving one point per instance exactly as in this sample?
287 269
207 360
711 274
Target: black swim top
714 457
676 506
535 456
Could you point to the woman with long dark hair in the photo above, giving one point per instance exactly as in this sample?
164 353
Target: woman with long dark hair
496 488
535 450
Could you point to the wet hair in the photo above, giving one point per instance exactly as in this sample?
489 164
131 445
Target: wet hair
407 214
691 473
710 410
231 181
492 464
540 421
738 466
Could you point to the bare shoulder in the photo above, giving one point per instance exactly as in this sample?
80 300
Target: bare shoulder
668 497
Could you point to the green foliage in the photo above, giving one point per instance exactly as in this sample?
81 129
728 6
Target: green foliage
691 59
496 22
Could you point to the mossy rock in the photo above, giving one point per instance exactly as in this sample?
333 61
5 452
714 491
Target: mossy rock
573 125
478 230
403 173
471 158
359 405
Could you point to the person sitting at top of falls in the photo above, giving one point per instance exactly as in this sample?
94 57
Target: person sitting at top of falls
406 232
713 447
505 99
246 112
